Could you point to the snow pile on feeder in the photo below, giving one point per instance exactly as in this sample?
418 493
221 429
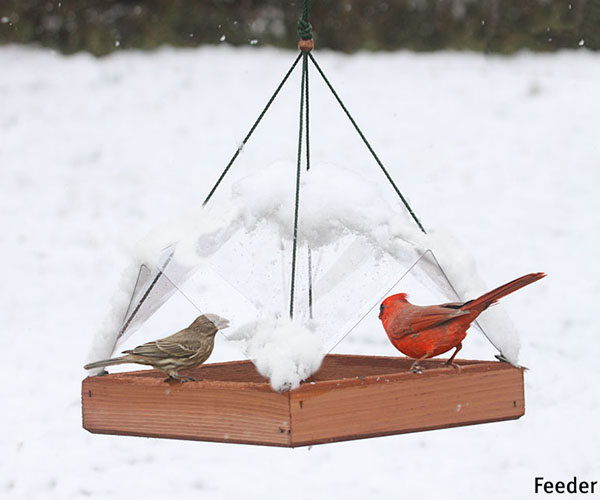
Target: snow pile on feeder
355 242
283 351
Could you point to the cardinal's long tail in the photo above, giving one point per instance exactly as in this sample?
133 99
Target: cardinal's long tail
482 303
107 362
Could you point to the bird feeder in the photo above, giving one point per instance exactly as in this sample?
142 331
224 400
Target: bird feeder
349 397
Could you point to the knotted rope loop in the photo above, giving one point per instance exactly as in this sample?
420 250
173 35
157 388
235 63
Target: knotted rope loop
306 43
304 29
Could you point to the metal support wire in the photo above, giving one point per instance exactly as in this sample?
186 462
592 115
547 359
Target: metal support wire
437 263
310 288
413 265
160 273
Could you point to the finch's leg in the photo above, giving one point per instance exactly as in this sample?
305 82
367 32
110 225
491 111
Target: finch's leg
451 362
175 376
415 368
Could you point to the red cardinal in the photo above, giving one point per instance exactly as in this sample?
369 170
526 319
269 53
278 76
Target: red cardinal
423 332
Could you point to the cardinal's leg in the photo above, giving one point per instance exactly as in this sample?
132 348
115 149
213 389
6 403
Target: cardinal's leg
415 368
451 362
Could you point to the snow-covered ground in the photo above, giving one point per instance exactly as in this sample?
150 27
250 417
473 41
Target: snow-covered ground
504 152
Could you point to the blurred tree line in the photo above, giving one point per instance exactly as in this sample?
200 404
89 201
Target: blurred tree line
501 26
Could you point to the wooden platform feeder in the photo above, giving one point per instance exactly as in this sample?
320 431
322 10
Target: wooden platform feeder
350 397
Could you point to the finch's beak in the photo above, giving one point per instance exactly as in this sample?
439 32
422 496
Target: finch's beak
224 323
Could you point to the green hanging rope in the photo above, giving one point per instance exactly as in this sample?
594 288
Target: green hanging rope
307 121
310 286
370 148
298 169
252 129
304 26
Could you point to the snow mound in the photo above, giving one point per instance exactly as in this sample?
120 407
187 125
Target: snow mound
283 351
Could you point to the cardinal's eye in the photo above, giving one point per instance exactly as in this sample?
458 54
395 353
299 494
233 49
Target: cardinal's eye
381 308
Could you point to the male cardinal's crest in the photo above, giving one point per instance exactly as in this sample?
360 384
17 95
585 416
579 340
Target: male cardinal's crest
392 298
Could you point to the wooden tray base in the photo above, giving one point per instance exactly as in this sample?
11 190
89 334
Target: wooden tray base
350 397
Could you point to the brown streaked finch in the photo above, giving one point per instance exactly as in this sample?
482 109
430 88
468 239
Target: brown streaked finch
183 350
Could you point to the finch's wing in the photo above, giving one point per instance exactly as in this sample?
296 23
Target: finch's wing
417 319
163 349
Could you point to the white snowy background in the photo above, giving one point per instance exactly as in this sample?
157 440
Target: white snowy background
94 153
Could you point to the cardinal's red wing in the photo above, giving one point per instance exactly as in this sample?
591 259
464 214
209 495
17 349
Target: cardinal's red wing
454 305
415 319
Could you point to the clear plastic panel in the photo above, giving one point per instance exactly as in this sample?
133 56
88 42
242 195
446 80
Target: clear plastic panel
152 289
426 283
350 255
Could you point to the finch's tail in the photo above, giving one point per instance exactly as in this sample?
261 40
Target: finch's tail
482 303
107 362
